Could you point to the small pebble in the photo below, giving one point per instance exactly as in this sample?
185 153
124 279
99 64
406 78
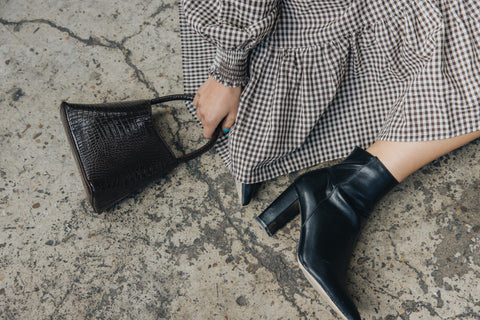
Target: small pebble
242 301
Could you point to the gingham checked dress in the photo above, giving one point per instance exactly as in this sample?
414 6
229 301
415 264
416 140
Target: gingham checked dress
320 77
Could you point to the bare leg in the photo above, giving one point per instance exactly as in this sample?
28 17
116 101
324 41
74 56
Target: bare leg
404 158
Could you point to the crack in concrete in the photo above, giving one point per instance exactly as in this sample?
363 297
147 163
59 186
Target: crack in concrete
127 53
376 288
423 285
469 315
422 282
160 9
261 259
54 314
93 41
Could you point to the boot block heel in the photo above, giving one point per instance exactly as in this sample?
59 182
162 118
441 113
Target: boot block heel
280 212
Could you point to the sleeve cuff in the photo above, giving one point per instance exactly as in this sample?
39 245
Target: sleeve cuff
230 68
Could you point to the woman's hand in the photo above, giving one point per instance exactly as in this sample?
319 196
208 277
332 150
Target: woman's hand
215 102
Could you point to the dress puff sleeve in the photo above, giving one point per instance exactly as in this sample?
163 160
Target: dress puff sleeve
235 27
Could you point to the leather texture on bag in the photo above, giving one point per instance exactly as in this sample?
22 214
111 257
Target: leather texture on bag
118 148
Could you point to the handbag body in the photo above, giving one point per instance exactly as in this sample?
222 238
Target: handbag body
118 149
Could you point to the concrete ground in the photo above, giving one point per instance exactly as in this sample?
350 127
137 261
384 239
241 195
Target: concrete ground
183 248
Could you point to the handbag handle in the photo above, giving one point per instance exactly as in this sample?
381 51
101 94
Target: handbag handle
208 145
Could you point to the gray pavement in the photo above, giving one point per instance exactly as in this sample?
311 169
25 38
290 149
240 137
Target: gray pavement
183 248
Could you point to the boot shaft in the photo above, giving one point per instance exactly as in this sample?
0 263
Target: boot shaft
361 179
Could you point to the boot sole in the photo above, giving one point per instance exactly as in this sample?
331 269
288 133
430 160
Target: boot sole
321 291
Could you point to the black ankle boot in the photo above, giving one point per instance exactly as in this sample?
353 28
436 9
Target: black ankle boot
249 190
334 202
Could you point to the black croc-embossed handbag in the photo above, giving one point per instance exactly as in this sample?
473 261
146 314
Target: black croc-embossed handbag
117 147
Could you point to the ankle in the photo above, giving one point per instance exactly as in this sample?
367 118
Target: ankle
392 161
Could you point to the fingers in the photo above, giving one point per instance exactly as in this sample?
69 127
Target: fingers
209 126
229 121
209 122
196 103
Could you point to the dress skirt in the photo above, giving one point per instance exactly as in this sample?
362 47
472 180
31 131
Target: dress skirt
330 75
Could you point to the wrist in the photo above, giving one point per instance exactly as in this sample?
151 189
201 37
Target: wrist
230 68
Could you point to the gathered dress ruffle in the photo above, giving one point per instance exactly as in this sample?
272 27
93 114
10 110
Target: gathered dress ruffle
326 76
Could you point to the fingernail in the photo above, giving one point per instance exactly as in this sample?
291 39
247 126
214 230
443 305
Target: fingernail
226 130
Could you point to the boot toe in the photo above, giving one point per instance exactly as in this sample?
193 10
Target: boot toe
326 282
